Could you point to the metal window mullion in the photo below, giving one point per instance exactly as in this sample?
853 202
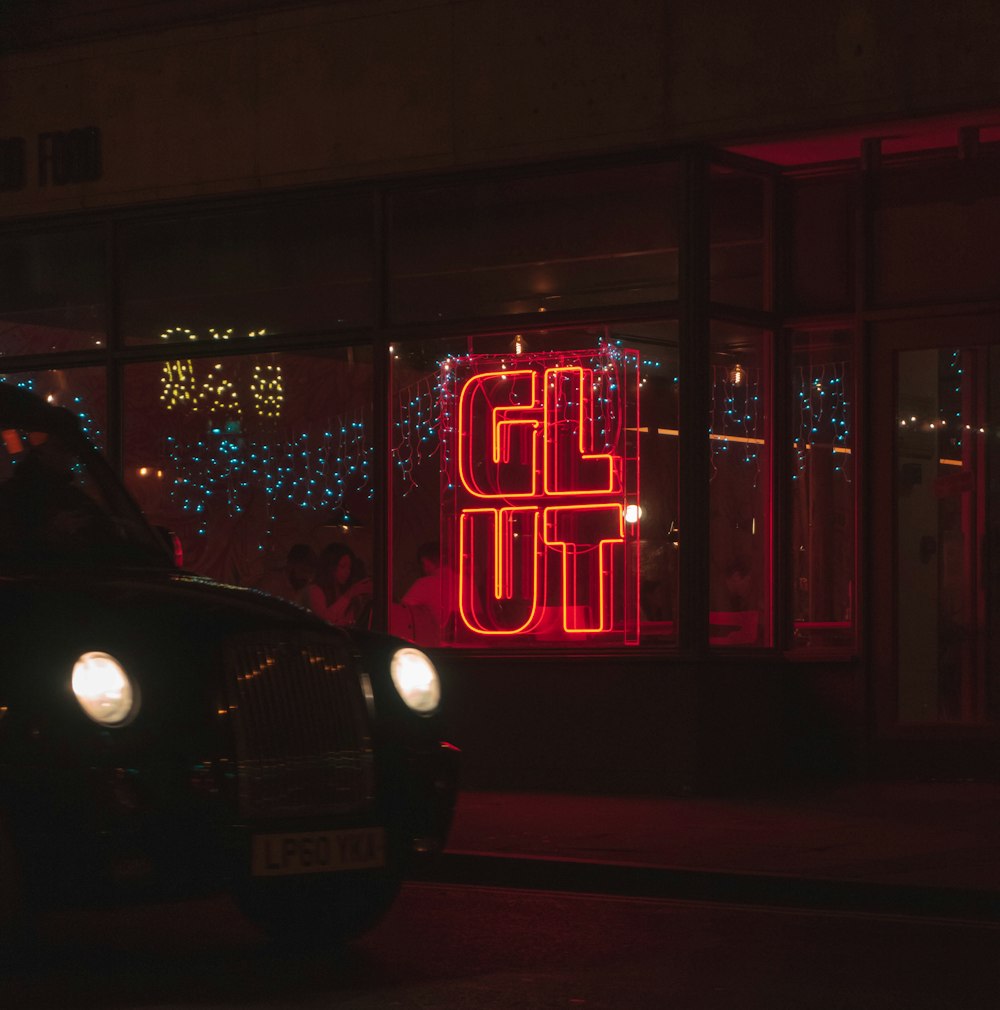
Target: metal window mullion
864 561
782 552
695 373
381 424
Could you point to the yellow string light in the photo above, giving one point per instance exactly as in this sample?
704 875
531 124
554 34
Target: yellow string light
268 390
178 385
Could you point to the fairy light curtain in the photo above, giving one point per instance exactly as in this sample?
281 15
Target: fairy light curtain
823 505
245 450
821 421
736 417
823 416
416 427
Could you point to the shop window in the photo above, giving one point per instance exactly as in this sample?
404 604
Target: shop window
947 532
739 236
822 245
294 267
535 489
823 478
82 391
245 457
740 575
937 231
52 292
533 245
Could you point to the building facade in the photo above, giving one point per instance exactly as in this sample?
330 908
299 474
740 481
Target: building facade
670 332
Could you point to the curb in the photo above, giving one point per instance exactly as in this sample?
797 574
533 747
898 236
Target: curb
633 880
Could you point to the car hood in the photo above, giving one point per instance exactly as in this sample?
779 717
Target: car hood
162 596
169 629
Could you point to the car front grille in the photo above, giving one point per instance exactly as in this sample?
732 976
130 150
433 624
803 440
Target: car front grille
301 725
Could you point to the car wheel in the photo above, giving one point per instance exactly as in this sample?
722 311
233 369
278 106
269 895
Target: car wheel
318 914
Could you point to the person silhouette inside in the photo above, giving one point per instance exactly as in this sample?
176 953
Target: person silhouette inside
340 592
292 580
426 597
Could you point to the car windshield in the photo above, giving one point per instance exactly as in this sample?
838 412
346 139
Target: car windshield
61 506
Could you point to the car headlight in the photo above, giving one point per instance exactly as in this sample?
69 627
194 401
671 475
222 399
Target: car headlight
103 689
416 680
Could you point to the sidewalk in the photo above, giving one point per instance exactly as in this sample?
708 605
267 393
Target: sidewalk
923 845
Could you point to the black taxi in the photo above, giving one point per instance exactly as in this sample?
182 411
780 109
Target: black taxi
164 735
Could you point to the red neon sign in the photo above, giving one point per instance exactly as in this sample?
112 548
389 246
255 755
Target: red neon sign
540 464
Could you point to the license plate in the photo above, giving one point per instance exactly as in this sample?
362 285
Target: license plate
317 851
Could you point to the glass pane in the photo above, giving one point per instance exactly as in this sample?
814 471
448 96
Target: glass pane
246 457
659 434
52 292
823 488
946 532
822 245
518 519
532 245
81 390
740 577
297 267
738 234
937 231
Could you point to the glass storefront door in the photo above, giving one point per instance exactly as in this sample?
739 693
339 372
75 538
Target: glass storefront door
936 611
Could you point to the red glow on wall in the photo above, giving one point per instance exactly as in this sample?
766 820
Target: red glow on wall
540 463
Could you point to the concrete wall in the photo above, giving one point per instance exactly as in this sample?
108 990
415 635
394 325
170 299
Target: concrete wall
353 89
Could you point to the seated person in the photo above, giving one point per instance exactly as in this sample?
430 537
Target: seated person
292 581
340 594
426 597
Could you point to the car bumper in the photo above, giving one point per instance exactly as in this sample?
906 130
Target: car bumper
115 835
